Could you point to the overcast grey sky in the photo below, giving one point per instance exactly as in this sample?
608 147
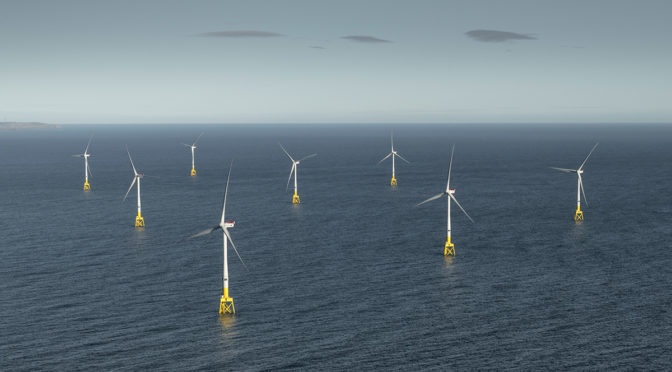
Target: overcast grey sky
312 61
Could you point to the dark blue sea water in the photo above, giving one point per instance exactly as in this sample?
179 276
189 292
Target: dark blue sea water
354 277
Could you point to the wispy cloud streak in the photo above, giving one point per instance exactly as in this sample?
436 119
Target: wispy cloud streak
365 39
493 36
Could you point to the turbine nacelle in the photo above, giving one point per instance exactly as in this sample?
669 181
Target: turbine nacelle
228 224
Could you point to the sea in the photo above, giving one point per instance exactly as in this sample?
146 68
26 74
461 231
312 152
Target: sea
353 278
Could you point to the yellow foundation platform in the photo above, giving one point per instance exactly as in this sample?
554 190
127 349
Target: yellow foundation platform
393 182
296 199
226 304
87 186
193 172
139 221
449 249
578 216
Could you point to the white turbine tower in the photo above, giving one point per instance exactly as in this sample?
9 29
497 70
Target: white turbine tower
450 193
295 170
193 147
578 216
139 221
226 302
393 153
87 170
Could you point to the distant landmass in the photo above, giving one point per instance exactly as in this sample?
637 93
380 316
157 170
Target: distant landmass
8 125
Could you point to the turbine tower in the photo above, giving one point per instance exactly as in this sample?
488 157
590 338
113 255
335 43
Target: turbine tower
87 170
393 153
193 147
449 248
139 221
578 216
295 170
225 303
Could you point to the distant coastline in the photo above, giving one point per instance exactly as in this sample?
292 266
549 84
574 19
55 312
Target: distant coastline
9 125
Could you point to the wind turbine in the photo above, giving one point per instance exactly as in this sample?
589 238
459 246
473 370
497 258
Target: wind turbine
193 147
393 153
449 247
295 170
87 171
578 216
226 302
139 221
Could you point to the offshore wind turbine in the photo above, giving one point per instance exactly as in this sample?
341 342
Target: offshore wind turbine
578 216
295 170
449 248
225 302
393 153
87 170
139 221
193 147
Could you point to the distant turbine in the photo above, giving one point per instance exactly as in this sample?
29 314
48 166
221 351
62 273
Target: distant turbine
87 171
139 221
393 154
193 147
295 169
578 216
449 247
226 302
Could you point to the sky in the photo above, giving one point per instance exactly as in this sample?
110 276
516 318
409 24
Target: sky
340 61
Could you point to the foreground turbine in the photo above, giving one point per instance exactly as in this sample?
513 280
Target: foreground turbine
578 216
87 171
193 147
393 153
449 249
139 221
295 169
225 302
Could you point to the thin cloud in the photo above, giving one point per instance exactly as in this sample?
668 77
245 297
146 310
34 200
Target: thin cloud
492 36
240 33
365 39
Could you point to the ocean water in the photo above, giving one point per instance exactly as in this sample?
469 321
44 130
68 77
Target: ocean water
354 277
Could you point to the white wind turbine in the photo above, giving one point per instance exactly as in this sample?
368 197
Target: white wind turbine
226 302
578 216
139 221
294 170
193 147
393 153
449 247
87 170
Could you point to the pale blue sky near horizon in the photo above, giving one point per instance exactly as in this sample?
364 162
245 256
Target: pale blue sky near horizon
170 61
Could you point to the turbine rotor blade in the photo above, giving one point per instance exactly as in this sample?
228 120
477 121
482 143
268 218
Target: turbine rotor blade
199 137
289 156
383 159
391 140
432 198
402 158
129 189
582 191
89 169
458 204
205 232
129 158
87 145
450 167
186 145
290 175
226 231
307 157
226 190
564 170
591 151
